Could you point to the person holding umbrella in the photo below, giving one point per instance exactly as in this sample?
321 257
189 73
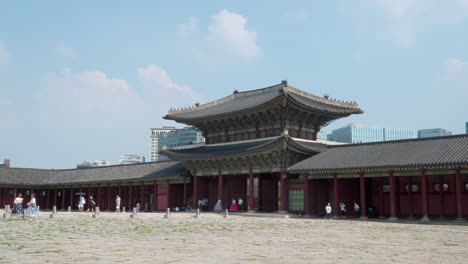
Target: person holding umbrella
81 203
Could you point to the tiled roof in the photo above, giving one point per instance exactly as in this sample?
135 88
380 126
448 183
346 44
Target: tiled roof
140 171
241 148
245 101
445 152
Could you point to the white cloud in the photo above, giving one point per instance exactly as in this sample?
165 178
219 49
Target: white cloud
4 55
456 67
227 32
65 50
188 28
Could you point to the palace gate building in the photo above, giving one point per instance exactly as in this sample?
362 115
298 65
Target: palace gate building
261 146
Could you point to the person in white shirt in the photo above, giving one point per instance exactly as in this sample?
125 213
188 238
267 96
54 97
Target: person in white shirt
240 204
32 209
18 204
328 210
117 204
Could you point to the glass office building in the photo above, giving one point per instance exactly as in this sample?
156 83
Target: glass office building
178 137
433 132
355 133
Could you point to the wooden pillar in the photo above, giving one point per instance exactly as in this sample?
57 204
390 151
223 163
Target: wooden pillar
55 197
441 197
392 197
155 196
362 191
142 197
381 198
98 200
336 197
260 192
424 201
71 198
220 188
89 191
63 198
251 192
410 196
458 194
15 194
109 190
185 193
284 191
306 195
314 136
130 197
195 192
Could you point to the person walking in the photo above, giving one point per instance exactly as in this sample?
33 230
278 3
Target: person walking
240 204
32 209
328 210
92 204
218 208
357 210
117 204
81 203
233 207
18 204
343 209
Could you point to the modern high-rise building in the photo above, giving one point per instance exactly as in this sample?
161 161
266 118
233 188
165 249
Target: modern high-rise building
433 132
96 163
466 124
178 137
154 141
356 133
131 159
322 135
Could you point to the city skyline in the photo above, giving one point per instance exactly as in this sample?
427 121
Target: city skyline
87 80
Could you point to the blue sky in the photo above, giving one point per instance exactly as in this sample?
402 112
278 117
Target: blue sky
86 81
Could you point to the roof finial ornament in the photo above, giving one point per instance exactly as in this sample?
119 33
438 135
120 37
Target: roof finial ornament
235 92
197 104
284 83
326 96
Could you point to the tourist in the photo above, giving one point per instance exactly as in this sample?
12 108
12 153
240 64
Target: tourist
81 203
357 210
92 205
240 204
18 208
117 204
32 209
343 209
205 204
218 208
200 204
328 210
138 206
233 207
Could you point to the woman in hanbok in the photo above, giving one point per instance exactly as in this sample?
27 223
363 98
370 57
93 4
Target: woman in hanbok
218 208
81 203
117 204
19 204
32 209
233 207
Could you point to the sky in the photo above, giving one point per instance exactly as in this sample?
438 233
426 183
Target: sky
87 80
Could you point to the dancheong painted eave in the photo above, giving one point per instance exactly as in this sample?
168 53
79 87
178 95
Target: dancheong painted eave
447 152
255 100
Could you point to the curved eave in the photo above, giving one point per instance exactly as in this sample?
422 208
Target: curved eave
386 168
270 146
343 112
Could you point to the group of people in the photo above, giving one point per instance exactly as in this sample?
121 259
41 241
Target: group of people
31 209
82 202
236 206
342 205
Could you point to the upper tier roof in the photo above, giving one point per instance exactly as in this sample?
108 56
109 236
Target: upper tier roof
239 102
444 152
139 171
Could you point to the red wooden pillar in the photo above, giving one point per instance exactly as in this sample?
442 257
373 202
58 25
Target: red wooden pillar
441 196
89 191
336 198
71 198
63 198
155 196
220 188
109 190
195 192
185 193
142 198
410 196
130 200
260 192
48 199
424 201
251 192
362 190
458 194
98 195
284 191
55 197
306 195
392 197
314 136
381 198
14 194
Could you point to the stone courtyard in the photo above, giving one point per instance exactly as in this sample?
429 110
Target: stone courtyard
150 238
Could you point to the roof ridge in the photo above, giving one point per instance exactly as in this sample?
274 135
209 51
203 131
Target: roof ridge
99 167
232 96
400 141
323 100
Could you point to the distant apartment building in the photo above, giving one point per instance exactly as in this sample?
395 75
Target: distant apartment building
466 126
179 137
357 133
92 164
322 135
433 132
131 159
154 141
5 164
